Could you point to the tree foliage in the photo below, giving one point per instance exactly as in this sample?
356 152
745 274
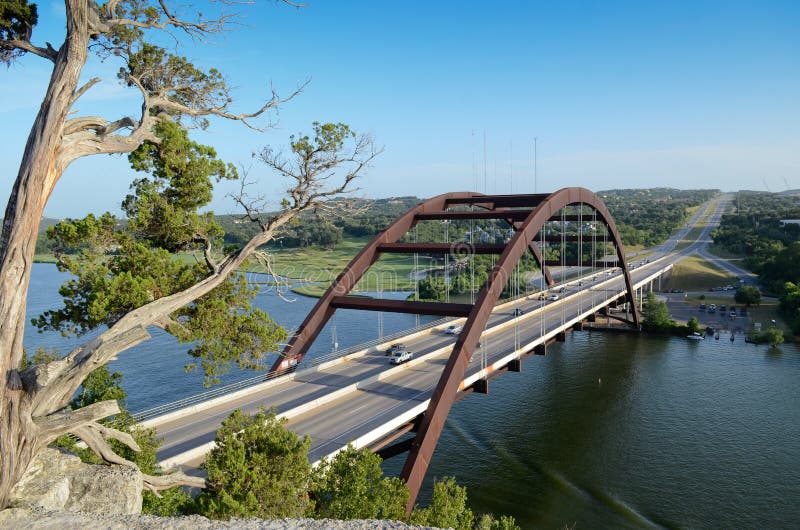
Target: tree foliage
257 469
351 485
119 266
655 314
749 295
448 507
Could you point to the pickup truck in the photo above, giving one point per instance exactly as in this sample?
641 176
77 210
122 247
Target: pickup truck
401 356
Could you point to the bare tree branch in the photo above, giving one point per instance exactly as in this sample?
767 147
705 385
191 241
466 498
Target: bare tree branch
82 90
54 425
24 45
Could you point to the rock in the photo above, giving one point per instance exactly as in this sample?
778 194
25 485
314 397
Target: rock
38 519
57 480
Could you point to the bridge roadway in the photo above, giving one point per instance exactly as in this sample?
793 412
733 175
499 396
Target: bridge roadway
361 398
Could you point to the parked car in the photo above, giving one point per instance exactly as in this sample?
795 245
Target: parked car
397 346
453 330
401 356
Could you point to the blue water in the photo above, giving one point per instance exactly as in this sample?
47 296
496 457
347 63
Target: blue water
606 431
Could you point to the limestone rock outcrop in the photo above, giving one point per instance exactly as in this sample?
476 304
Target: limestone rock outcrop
57 480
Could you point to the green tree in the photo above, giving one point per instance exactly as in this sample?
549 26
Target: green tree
351 485
749 295
257 469
490 522
774 336
693 325
655 314
126 277
448 507
431 288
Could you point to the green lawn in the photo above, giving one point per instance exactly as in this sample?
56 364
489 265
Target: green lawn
389 273
697 274
690 237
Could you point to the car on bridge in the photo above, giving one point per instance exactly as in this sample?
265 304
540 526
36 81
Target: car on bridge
553 297
397 346
455 329
401 356
518 312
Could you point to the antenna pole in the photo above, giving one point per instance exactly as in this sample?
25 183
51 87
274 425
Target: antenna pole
535 173
485 187
511 164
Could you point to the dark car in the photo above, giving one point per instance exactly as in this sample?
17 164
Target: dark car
398 346
518 312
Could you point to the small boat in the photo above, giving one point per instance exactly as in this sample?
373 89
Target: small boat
695 336
716 337
731 337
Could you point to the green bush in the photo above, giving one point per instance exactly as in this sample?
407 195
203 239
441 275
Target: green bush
257 469
351 486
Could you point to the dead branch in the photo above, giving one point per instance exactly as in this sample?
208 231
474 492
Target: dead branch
54 425
264 260
95 436
82 90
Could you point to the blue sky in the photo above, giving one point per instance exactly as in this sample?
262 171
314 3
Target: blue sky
619 94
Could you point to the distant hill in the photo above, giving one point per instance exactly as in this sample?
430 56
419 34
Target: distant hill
644 216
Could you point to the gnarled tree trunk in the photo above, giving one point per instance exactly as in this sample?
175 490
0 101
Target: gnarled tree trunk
37 176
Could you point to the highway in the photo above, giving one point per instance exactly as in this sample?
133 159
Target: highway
362 397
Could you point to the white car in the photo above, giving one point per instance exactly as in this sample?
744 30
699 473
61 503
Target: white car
401 356
453 330
553 297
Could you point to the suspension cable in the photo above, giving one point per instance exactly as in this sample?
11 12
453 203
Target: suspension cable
380 313
472 256
334 337
446 262
416 271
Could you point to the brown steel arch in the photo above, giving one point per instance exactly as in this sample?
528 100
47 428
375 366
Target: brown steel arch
430 428
539 208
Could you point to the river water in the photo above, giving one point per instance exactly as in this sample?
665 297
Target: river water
606 431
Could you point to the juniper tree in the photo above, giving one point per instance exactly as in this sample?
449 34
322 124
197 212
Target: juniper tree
126 278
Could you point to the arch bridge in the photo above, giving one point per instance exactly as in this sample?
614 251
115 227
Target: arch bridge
565 224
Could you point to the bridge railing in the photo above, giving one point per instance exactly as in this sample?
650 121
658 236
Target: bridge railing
256 380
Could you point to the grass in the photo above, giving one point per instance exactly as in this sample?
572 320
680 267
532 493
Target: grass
690 237
697 274
44 258
315 290
321 266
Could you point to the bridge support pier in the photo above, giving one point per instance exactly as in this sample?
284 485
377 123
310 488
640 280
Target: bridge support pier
515 365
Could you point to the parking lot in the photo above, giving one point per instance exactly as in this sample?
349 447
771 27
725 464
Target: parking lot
682 310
